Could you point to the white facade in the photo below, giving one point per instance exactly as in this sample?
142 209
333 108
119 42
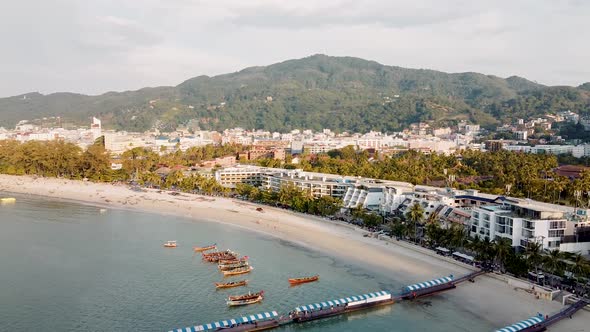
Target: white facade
522 221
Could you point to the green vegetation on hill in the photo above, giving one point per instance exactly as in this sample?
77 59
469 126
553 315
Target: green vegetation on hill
340 93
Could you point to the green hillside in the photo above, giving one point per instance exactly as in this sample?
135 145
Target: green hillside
341 93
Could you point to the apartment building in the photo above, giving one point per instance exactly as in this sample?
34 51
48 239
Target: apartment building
523 221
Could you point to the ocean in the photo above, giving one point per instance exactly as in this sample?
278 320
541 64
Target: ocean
66 266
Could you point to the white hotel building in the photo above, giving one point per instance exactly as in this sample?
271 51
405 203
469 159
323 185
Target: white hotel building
523 221
520 220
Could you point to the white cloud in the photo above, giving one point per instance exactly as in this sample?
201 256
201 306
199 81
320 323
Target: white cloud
92 47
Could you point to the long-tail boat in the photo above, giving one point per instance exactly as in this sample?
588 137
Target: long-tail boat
201 249
215 259
233 303
241 270
232 266
233 261
297 281
231 284
245 299
216 256
250 295
218 253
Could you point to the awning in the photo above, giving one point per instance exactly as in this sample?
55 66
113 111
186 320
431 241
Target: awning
522 325
226 323
464 256
430 283
341 301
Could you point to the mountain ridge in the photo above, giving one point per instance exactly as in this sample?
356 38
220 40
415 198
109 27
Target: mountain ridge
341 93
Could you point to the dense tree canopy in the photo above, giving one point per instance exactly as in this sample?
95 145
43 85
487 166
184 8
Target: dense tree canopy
340 93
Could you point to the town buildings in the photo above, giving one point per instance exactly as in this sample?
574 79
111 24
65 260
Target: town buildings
484 215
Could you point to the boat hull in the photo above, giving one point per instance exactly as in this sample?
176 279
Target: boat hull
298 281
237 303
222 285
233 273
201 249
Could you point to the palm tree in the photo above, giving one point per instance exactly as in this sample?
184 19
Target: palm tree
434 233
457 236
415 216
533 255
553 261
579 266
503 249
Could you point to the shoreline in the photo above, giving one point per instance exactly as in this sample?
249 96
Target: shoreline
487 299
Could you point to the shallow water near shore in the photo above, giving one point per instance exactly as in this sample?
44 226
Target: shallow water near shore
68 267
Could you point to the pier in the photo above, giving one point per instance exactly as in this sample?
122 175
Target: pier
325 309
539 323
567 312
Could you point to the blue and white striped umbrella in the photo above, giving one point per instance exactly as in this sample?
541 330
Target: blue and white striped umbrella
522 325
430 283
330 303
226 323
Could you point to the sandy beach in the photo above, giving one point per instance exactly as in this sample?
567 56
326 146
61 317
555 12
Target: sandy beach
487 299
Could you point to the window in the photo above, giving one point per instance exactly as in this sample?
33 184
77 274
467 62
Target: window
556 233
528 224
557 224
476 215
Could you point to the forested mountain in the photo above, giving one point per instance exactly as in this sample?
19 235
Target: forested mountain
341 93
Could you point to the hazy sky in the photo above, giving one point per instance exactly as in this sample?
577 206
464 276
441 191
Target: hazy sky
103 45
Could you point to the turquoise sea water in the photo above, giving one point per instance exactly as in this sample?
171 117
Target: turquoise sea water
68 267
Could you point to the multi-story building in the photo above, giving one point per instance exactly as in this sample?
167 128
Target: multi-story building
523 221
230 176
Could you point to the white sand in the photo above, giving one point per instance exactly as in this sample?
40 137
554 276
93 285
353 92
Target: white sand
488 299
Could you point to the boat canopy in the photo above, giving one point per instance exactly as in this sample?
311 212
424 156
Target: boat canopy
430 283
230 322
341 301
523 324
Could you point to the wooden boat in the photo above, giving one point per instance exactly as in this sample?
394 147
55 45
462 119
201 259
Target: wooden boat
219 253
233 261
241 270
227 267
170 244
245 299
297 281
233 303
201 249
250 295
231 284
216 259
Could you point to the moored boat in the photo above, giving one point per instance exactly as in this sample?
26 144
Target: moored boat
297 281
231 284
227 267
206 248
233 261
7 200
250 295
233 303
170 244
245 299
241 270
